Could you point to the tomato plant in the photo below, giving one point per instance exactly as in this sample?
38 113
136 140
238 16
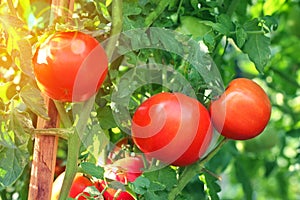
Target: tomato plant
243 111
173 128
79 184
110 193
70 66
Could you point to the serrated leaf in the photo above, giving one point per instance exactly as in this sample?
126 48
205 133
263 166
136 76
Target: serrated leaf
21 124
165 176
92 169
17 44
212 186
243 178
33 99
257 46
13 162
225 20
167 39
6 136
141 185
106 118
25 64
241 36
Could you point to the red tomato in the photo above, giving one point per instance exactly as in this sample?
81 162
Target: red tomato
80 182
125 169
70 66
243 111
111 193
173 128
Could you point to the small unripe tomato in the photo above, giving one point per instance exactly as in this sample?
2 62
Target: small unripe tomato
243 111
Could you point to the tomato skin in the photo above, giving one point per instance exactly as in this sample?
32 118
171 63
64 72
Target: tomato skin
70 66
173 128
125 169
243 110
111 193
80 182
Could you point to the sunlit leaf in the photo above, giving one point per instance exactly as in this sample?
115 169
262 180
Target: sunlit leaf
32 98
13 162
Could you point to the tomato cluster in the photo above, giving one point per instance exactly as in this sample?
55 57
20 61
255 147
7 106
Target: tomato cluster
177 129
171 127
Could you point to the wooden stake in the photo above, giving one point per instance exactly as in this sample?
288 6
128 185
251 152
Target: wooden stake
44 157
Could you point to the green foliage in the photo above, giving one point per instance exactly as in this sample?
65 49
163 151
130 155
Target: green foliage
257 40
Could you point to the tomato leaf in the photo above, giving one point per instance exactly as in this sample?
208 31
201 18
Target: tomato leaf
92 169
18 46
258 50
141 185
241 36
33 99
212 186
243 178
13 162
165 176
21 124
106 118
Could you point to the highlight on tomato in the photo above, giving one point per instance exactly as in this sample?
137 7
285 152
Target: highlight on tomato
243 111
173 128
80 183
70 66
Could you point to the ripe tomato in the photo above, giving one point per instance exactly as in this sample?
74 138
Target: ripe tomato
112 193
70 66
243 111
125 169
173 128
80 182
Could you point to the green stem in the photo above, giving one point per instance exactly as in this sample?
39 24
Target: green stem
60 132
73 152
162 5
232 7
71 166
117 26
192 170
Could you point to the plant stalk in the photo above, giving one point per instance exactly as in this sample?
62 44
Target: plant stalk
192 170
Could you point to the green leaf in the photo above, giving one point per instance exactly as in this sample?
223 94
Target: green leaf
106 118
33 99
167 39
17 45
141 185
257 46
103 9
165 176
241 36
88 127
212 186
20 123
92 169
243 178
13 162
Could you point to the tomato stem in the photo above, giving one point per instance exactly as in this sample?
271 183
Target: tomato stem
117 26
60 132
162 5
190 171
73 152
